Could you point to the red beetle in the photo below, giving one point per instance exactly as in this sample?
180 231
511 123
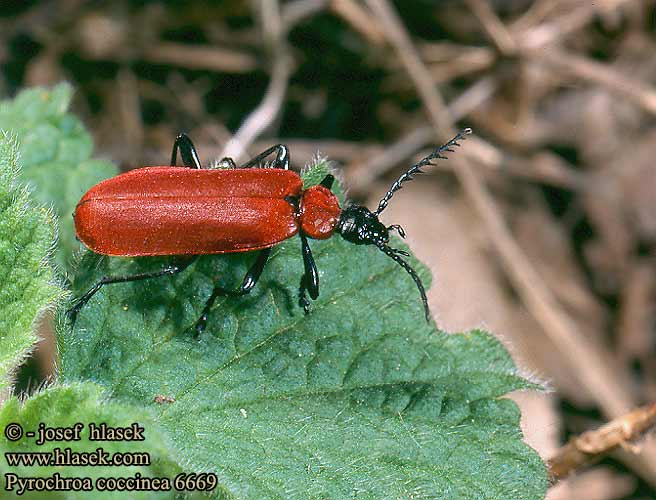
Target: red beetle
195 211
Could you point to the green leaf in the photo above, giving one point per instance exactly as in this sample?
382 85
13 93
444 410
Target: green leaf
64 406
56 155
27 285
359 399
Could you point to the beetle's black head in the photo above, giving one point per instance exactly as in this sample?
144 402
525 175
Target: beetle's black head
359 225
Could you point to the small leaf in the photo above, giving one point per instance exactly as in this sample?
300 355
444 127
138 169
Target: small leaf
27 286
64 406
56 155
359 399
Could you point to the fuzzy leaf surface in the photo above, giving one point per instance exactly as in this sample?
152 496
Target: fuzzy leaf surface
359 399
55 151
27 286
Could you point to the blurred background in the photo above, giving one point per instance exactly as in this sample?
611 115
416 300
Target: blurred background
541 228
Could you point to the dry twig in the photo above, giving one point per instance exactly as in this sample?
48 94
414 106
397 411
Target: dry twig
601 74
592 446
213 58
270 106
357 17
493 26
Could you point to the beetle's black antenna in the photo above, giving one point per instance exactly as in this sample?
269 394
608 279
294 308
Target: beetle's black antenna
416 168
396 255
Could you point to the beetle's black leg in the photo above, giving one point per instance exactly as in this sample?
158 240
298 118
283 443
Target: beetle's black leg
281 161
310 278
247 284
168 270
187 152
328 181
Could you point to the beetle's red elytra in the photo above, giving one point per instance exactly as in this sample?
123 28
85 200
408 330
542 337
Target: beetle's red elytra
190 211
139 213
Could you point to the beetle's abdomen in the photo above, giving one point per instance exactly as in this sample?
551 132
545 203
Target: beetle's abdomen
319 212
178 211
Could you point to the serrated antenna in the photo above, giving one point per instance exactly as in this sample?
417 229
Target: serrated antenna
416 168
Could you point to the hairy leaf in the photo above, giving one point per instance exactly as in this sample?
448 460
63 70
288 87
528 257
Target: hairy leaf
55 155
27 285
64 406
359 399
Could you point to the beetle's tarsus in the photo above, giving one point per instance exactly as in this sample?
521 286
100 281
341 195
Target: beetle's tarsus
71 314
304 302
199 326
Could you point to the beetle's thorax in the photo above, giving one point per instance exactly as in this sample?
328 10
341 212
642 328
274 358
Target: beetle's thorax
359 225
319 212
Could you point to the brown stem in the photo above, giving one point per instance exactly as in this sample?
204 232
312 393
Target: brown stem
592 446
